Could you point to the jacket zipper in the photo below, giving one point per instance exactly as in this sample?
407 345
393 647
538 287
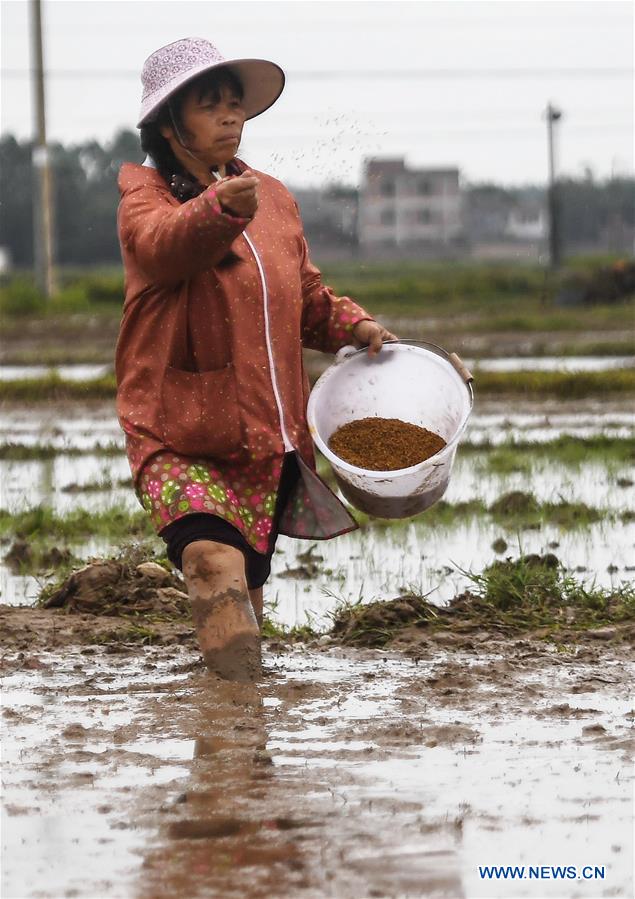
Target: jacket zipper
272 371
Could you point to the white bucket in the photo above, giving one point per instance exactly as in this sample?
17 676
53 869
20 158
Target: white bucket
415 382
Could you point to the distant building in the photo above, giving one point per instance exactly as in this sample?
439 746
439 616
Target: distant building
503 224
527 221
402 208
329 217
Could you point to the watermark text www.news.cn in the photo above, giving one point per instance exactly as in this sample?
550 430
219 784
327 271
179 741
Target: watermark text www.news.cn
541 872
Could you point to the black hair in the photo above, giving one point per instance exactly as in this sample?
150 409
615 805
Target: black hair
183 185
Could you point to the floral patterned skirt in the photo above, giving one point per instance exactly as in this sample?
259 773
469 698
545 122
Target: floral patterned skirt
171 486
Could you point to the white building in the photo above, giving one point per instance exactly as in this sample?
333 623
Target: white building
401 207
527 222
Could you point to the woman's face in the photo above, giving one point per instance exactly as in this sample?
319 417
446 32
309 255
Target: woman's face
212 125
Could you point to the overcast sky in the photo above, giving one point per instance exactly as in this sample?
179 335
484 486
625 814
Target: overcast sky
364 79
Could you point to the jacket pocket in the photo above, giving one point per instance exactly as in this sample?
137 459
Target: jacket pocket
200 413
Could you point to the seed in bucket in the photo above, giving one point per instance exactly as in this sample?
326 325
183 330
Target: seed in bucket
384 444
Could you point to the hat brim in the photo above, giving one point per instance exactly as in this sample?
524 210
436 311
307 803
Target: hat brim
263 81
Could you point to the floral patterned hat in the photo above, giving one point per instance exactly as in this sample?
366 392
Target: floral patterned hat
172 66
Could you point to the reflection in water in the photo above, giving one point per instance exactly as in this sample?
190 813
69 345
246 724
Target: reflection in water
341 773
219 826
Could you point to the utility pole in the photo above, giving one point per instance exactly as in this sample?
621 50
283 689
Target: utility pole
555 244
42 181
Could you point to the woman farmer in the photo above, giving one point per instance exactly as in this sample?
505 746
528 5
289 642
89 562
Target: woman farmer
220 298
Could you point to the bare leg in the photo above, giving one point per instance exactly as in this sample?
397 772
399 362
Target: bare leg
255 596
224 618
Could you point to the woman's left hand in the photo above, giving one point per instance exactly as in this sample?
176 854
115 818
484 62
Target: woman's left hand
371 334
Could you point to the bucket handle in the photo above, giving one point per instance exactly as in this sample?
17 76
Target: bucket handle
460 366
453 358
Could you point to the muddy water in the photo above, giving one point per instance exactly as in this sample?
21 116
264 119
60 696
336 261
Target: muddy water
68 372
341 773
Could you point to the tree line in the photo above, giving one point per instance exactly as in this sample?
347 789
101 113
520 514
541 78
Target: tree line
85 198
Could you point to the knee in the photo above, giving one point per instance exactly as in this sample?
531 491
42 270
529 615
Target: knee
205 560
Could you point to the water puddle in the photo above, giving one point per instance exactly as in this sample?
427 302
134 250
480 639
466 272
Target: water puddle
341 774
520 363
67 372
552 363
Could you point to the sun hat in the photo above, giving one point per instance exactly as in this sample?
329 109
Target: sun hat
172 66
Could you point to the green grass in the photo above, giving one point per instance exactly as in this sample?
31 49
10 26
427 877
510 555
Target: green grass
76 293
569 385
523 383
528 594
116 524
511 511
594 318
20 452
298 633
565 450
42 523
624 347
491 293
536 591
562 450
53 387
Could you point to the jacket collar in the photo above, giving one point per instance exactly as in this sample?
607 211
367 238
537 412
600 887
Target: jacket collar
132 175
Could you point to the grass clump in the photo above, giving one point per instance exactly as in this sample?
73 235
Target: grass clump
30 557
119 587
54 387
22 452
536 591
42 523
569 385
376 623
524 510
512 510
529 594
298 633
517 455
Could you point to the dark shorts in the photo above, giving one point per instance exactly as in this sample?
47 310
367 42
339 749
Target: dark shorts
206 526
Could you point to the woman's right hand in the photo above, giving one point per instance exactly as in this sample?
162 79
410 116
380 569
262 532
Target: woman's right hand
238 195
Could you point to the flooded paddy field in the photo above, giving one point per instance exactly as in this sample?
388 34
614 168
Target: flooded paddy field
347 771
510 364
538 497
